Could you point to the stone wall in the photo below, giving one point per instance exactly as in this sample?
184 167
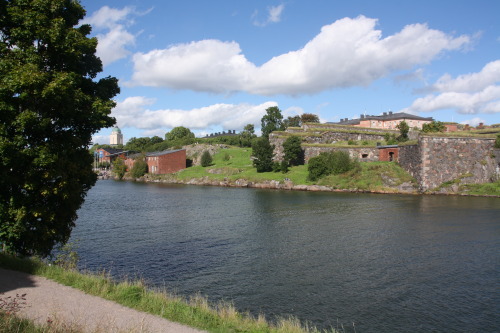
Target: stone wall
437 160
363 154
410 159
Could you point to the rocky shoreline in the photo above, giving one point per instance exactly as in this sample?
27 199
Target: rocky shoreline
406 188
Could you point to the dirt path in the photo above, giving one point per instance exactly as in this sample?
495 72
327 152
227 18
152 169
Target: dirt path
48 301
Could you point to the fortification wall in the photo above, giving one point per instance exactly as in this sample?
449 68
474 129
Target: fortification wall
472 160
410 159
363 154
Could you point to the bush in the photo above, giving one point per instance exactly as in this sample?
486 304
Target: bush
119 167
497 141
206 159
262 153
325 164
294 155
139 169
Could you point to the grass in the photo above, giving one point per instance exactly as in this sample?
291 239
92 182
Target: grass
489 189
194 311
370 176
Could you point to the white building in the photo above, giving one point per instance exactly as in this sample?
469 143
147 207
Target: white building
116 137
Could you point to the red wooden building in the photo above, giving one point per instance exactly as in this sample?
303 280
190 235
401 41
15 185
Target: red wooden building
167 161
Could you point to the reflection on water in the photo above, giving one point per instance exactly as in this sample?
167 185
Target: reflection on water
385 262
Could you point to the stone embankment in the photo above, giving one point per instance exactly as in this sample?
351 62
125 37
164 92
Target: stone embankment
407 188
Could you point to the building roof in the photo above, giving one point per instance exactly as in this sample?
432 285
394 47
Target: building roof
385 117
164 152
116 129
112 151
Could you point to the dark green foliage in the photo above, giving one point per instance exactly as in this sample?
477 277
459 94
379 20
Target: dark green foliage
390 139
351 142
119 168
226 157
232 140
247 135
272 121
434 126
262 152
206 159
497 141
294 155
140 167
284 166
50 106
325 164
292 122
404 128
180 133
309 118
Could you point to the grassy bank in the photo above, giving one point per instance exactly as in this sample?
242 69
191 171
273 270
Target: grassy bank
194 311
234 163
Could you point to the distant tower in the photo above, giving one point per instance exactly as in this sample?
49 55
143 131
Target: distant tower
116 137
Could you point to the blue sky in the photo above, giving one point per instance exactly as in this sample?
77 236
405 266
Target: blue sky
217 65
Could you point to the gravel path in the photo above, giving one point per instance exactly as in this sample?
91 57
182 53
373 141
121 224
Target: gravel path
47 301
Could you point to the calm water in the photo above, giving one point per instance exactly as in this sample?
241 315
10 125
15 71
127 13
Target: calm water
388 263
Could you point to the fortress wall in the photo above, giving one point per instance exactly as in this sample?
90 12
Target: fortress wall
472 160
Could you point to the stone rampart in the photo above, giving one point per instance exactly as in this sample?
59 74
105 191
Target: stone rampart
446 159
410 159
364 154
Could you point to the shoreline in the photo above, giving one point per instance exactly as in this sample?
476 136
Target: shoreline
288 186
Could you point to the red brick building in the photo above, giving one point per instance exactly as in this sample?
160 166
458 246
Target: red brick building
168 161
109 154
388 153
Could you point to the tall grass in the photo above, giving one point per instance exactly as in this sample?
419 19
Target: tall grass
194 311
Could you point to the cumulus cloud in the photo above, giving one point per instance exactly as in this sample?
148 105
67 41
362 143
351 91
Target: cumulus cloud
113 37
473 122
273 16
349 52
469 93
100 139
136 112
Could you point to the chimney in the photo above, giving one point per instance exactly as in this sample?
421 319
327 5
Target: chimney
385 113
390 112
362 116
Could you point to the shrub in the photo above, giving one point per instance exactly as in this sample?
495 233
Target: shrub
139 169
119 168
351 142
434 126
206 159
226 157
497 141
404 128
262 153
294 155
324 164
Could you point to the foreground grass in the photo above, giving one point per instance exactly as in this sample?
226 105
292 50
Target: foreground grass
194 311
10 323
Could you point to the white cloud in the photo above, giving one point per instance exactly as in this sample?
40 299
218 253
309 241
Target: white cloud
490 74
135 112
346 53
114 42
100 139
473 122
469 94
273 15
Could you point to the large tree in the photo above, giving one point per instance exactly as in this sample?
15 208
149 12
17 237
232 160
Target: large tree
50 105
272 121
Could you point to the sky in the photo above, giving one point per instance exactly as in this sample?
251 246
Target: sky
215 66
